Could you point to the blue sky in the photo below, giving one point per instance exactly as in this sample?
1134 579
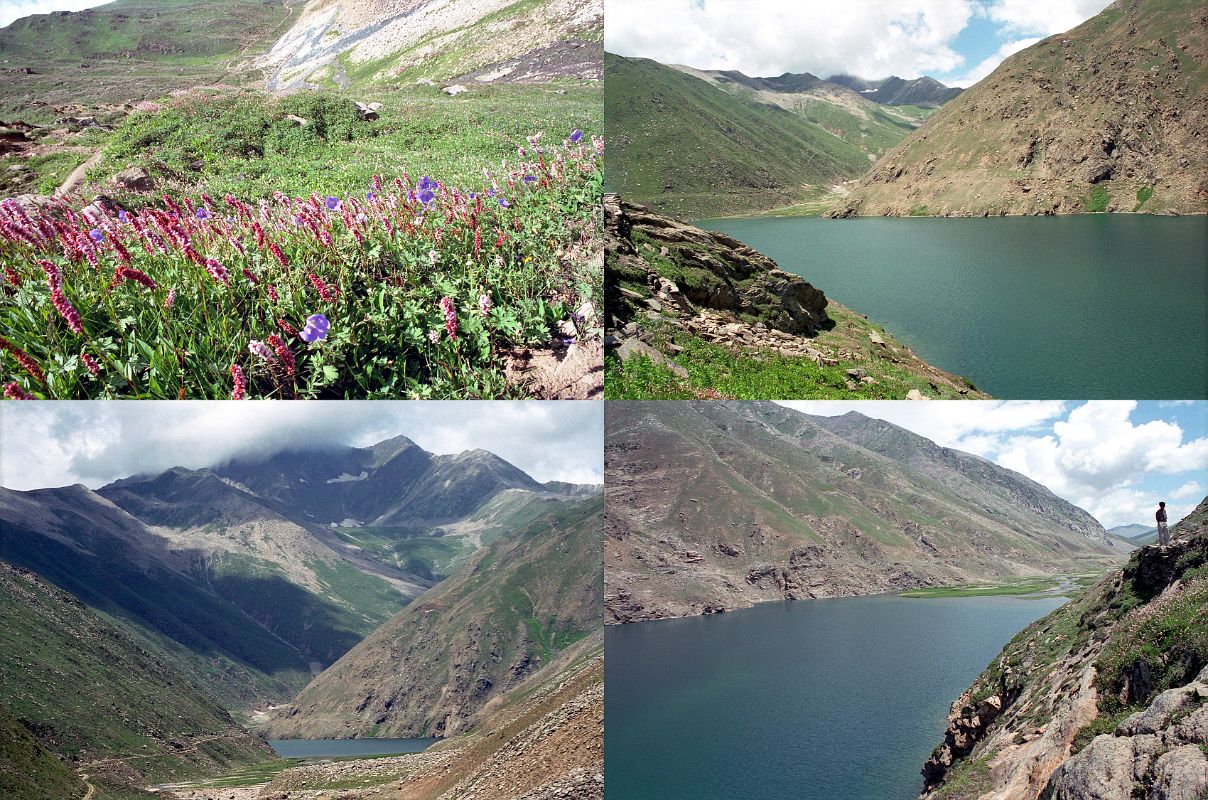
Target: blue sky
1116 459
15 9
956 41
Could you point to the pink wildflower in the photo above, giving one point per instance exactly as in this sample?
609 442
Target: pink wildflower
24 359
446 306
90 362
239 390
13 391
283 352
217 271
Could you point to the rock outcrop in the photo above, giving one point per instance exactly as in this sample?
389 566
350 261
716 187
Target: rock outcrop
1106 698
664 274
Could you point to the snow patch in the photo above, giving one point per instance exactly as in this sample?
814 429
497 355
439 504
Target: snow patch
346 478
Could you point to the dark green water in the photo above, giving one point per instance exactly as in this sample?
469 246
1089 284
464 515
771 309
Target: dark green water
817 700
335 748
1078 307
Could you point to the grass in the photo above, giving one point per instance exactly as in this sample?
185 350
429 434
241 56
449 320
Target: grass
403 290
695 150
1098 200
716 371
42 174
1020 587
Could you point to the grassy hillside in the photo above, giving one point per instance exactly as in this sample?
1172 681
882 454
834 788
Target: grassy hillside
687 147
508 612
130 50
28 770
92 694
1108 116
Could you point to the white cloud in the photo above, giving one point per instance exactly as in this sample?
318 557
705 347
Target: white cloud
988 65
12 10
1020 17
907 38
1095 456
53 444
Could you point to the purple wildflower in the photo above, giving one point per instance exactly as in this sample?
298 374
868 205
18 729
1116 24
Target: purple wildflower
332 203
203 214
575 136
426 196
503 202
97 235
315 329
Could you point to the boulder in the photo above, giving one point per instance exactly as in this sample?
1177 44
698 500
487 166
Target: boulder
133 179
1181 774
454 90
634 347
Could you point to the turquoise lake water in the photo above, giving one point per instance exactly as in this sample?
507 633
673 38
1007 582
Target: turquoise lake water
335 748
1074 307
815 700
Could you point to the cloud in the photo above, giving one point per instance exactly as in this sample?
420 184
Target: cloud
53 444
1020 17
768 37
12 10
988 65
1091 454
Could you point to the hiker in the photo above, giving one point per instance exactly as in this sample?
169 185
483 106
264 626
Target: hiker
1163 531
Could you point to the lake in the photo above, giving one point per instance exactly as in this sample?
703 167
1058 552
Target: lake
337 748
1070 307
813 700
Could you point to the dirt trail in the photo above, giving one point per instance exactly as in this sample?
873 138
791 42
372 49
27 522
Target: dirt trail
91 789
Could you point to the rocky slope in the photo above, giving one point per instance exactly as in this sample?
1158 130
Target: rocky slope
409 40
457 649
94 695
1105 698
542 739
1109 116
669 287
717 505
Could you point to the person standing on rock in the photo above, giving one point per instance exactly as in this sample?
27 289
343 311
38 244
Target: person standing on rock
1163 531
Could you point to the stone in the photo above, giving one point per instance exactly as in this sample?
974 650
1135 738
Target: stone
1157 716
1181 774
632 347
1103 770
857 373
454 90
299 121
915 394
367 113
424 82
875 338
133 179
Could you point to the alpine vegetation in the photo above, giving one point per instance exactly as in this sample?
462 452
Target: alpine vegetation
414 288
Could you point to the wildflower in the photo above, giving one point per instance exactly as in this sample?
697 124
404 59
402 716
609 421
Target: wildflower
369 196
13 391
123 215
24 359
272 293
530 178
433 257
276 251
217 271
247 273
575 136
326 293
503 202
426 196
239 390
446 306
283 352
12 276
332 203
67 311
170 299
97 235
90 362
434 337
285 326
203 214
128 274
426 183
316 328
260 350
484 304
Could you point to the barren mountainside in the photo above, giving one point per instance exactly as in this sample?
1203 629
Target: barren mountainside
1105 698
484 40
1110 116
458 648
717 505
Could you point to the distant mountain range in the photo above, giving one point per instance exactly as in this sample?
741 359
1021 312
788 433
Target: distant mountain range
696 143
1108 116
1138 534
717 505
270 569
